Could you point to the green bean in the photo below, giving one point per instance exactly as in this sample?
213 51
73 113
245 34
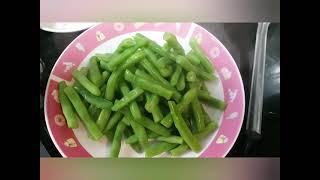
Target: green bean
115 118
167 121
139 131
191 76
67 109
155 127
200 135
171 139
110 134
198 114
116 143
181 82
86 83
152 101
132 139
153 71
103 118
148 85
103 90
84 70
126 120
105 76
173 42
193 58
179 150
211 101
120 58
156 114
152 135
163 62
203 86
159 148
175 77
103 57
92 109
83 113
125 100
166 47
144 75
125 44
203 58
94 73
134 108
188 97
95 100
112 84
103 65
183 128
135 146
151 57
206 116
181 60
166 71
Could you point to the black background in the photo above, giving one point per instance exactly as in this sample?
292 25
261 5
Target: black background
239 39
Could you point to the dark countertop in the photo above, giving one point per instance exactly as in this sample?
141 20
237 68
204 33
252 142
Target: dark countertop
239 39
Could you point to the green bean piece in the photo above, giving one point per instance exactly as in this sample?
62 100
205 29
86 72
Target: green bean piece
116 143
103 90
185 64
94 73
166 47
134 108
175 77
167 121
135 146
193 58
152 135
112 85
147 85
173 42
152 101
181 82
92 99
105 76
198 114
155 127
211 101
118 59
153 71
126 120
103 65
127 99
191 76
171 139
188 97
211 127
86 83
206 116
110 135
183 128
115 118
132 139
139 131
163 62
151 57
84 70
103 118
156 114
144 75
204 86
179 150
205 62
166 71
103 57
92 108
125 44
83 113
67 109
159 148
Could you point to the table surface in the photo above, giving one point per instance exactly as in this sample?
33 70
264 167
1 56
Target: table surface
239 39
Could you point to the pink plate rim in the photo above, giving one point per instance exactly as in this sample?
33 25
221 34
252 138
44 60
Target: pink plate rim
227 69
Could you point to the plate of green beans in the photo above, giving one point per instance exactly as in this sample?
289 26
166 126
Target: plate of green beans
144 90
